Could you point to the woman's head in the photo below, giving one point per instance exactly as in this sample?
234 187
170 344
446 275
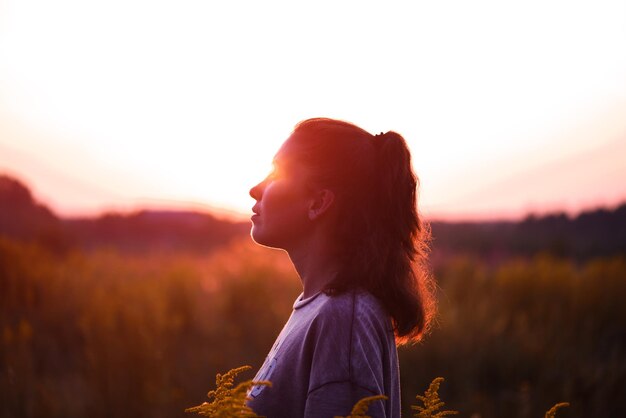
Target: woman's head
375 230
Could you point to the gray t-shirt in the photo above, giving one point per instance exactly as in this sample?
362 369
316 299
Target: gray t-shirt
333 351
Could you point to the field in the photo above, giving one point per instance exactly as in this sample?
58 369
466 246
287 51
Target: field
106 333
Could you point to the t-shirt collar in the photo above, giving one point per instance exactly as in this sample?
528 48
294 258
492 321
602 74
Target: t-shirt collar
299 303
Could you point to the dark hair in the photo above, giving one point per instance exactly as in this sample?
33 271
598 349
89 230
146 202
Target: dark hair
382 240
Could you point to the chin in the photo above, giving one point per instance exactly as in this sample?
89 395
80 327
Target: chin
260 238
257 235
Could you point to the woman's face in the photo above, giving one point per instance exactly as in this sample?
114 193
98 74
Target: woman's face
281 213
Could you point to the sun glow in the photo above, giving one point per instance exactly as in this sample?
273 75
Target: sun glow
121 103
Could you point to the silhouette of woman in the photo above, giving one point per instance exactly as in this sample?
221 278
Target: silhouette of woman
342 203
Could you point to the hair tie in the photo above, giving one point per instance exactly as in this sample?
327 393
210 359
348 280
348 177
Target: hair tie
379 139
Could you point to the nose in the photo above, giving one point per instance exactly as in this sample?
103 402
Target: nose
257 191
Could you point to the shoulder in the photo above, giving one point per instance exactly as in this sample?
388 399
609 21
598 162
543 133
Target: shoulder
353 342
355 307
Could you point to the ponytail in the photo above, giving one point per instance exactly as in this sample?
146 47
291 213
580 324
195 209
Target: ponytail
402 239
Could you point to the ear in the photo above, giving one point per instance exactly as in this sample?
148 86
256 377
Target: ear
321 201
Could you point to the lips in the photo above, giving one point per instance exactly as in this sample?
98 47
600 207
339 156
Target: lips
255 213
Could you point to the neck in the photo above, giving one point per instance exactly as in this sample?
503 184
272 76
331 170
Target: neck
315 266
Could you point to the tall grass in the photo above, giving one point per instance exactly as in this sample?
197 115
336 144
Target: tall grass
103 334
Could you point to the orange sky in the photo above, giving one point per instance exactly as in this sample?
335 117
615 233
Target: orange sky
507 108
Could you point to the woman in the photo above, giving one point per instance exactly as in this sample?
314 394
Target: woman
342 203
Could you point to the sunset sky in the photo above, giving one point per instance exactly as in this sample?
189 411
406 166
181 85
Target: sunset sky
508 107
